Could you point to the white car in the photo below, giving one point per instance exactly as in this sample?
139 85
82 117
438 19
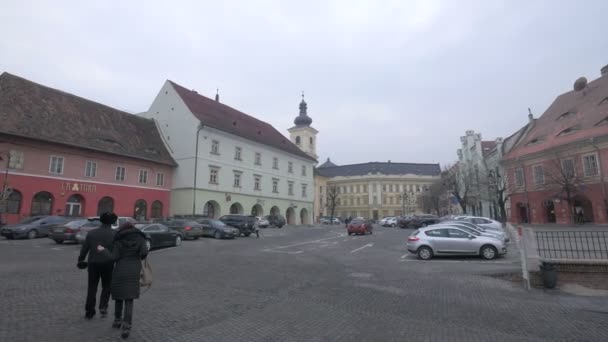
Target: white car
382 222
485 222
391 222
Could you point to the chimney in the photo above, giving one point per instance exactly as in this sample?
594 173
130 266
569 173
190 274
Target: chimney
604 70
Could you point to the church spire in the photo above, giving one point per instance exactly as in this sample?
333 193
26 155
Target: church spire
303 119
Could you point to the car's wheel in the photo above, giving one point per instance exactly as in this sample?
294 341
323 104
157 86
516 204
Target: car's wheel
280 227
58 241
148 244
247 234
196 237
217 235
424 253
488 252
32 234
393 225
178 241
349 233
371 232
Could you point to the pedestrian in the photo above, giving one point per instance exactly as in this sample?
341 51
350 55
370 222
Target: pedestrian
99 265
128 252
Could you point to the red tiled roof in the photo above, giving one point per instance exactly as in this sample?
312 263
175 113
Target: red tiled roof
581 110
222 117
487 146
31 110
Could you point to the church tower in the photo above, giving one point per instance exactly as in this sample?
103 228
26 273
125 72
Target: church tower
302 134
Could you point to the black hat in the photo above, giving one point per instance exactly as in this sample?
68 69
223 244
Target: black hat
108 218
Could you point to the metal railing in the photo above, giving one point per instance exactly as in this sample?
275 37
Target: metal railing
579 245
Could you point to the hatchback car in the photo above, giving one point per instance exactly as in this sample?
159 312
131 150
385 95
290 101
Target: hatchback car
245 223
190 229
423 220
447 240
358 226
218 229
390 222
69 230
159 235
32 227
488 232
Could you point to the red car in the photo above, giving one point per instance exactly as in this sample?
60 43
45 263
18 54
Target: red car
358 226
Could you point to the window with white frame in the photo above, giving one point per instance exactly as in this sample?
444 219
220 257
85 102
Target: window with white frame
258 158
215 147
56 165
275 163
90 169
303 170
519 176
568 168
214 175
290 167
237 153
539 174
257 182
120 174
590 165
304 186
160 179
390 188
237 179
290 188
143 176
275 185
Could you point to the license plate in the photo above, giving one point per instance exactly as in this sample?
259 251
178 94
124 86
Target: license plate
58 230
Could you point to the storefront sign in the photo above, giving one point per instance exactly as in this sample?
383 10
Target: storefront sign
78 187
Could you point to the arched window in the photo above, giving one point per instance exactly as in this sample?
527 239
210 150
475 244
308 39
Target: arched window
42 203
73 206
106 204
311 141
298 140
13 202
157 209
140 211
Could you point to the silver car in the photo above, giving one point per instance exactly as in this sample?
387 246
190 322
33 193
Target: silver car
487 232
448 240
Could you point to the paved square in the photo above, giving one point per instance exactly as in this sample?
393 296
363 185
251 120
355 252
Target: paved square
291 284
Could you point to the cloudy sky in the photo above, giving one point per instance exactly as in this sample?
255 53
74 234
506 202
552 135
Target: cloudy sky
399 80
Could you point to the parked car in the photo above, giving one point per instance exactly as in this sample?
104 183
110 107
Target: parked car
190 229
262 222
423 220
383 220
244 223
81 235
359 226
484 222
500 234
68 230
474 230
275 221
390 222
120 220
32 227
446 240
159 235
404 221
218 229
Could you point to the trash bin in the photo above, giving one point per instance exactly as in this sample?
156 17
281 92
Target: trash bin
549 275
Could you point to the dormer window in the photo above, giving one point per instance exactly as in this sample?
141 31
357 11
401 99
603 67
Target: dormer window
568 130
565 115
534 141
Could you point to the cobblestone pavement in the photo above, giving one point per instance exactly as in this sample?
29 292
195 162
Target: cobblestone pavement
291 284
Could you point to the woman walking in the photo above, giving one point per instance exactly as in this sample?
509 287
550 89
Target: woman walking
129 249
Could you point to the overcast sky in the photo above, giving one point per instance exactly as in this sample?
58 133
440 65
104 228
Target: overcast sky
399 80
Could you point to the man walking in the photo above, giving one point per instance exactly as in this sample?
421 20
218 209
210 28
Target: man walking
99 264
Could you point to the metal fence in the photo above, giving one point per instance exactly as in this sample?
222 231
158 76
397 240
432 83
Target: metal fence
580 245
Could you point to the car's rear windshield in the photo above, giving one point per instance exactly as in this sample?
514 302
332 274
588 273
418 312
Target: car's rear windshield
76 223
357 221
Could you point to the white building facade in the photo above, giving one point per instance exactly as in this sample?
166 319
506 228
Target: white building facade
229 162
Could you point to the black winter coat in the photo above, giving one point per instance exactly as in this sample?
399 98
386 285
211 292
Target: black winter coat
103 236
129 249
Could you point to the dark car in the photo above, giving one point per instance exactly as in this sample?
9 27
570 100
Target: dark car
404 221
218 229
275 221
244 223
359 226
32 227
159 235
419 221
68 230
190 229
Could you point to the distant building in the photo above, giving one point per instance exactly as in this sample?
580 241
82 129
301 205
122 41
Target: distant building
374 190
230 162
557 170
61 154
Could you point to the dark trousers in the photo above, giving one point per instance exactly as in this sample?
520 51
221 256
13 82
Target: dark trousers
98 272
127 316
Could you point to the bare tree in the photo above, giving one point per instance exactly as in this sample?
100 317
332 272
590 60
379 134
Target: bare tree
432 199
497 184
459 180
332 201
562 175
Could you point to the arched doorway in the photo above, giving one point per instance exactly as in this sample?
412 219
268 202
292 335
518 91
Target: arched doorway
42 203
211 209
257 210
274 211
290 216
550 211
236 208
13 203
304 216
74 206
157 209
140 211
523 212
583 209
105 205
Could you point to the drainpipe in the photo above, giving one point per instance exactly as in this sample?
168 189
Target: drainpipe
599 164
200 127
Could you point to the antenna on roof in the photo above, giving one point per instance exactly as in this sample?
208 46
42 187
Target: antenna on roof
217 95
